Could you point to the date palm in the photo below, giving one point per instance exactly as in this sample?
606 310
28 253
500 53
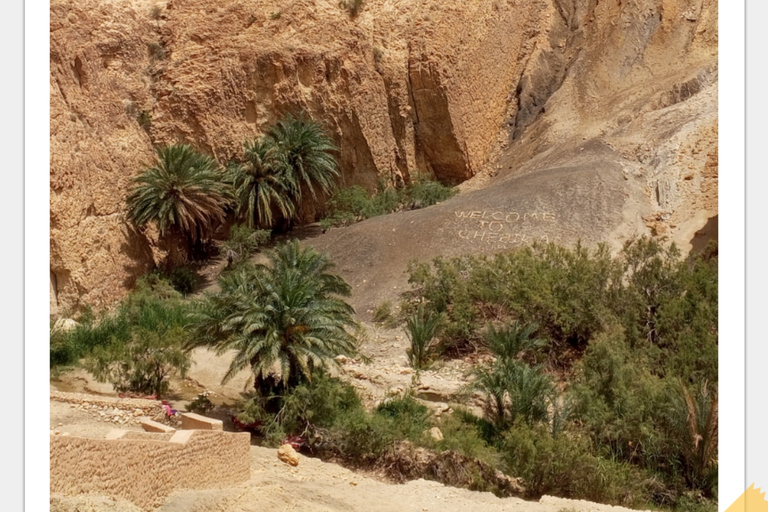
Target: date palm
305 153
289 314
692 421
509 341
422 327
514 390
181 192
261 185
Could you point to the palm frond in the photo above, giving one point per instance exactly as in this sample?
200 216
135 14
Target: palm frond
183 189
288 313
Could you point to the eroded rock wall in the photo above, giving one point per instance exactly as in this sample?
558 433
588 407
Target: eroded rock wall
404 86
454 89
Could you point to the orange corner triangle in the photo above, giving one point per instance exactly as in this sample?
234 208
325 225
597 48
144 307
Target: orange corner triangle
751 501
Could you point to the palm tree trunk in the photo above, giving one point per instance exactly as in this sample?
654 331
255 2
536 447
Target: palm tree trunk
176 245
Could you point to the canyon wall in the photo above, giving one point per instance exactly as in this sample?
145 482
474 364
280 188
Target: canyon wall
454 89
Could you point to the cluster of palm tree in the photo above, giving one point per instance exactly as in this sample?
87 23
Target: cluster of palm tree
293 158
514 390
187 194
286 320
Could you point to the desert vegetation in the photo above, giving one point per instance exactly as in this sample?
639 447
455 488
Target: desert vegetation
290 314
598 375
599 362
353 204
600 380
188 195
182 194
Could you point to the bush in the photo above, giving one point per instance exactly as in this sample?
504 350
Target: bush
383 313
667 307
184 280
463 433
423 193
353 204
329 416
154 306
624 330
242 242
144 364
565 467
352 6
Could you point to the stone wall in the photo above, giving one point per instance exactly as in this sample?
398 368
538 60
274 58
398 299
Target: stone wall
146 468
120 411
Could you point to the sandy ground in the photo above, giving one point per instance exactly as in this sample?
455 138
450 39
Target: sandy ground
385 373
312 486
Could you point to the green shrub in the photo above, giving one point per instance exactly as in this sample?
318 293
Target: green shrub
184 280
424 192
623 330
154 306
383 314
667 307
353 204
462 432
143 364
242 242
329 416
565 466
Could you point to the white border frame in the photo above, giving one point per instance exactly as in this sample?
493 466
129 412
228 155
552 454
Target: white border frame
731 249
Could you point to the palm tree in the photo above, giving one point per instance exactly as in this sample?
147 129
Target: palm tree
493 382
421 328
182 193
304 151
514 391
529 392
289 314
692 419
510 341
261 185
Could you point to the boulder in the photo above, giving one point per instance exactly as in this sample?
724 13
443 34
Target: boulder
287 454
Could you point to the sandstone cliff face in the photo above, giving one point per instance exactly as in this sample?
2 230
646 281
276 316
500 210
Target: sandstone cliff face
98 80
456 89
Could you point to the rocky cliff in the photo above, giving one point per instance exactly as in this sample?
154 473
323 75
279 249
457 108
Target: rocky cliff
502 90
